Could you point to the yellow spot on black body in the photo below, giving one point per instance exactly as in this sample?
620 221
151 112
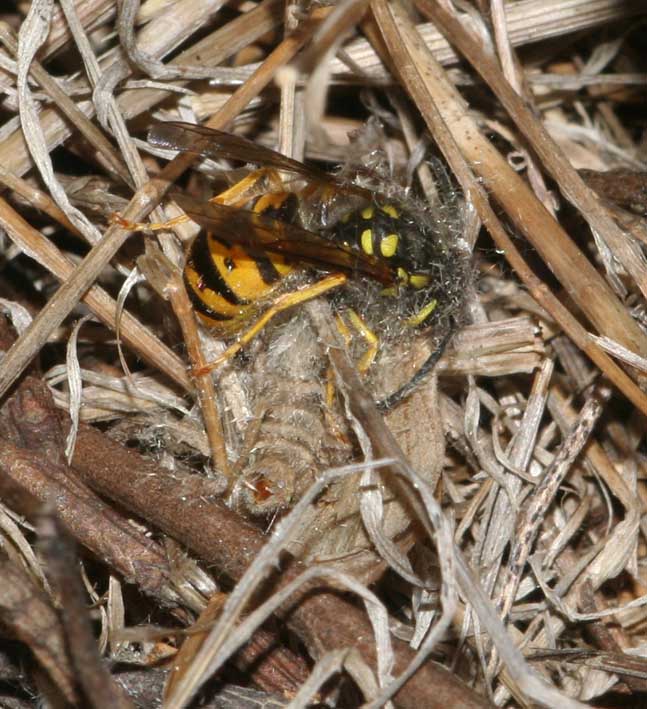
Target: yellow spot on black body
366 240
367 213
403 276
390 210
389 245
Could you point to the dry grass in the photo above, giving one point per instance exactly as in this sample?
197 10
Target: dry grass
491 522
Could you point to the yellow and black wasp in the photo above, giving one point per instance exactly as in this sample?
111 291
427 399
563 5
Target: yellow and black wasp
266 227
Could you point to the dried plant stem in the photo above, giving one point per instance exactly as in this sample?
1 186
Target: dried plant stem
102 305
528 21
582 282
37 199
452 127
204 384
542 496
63 570
111 159
142 203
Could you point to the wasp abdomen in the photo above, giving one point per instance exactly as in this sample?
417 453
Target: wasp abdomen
225 281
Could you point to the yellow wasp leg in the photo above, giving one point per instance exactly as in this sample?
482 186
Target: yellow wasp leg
343 329
364 364
236 195
363 329
247 188
283 302
371 339
424 312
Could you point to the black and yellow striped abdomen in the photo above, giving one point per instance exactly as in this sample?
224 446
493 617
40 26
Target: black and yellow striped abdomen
225 281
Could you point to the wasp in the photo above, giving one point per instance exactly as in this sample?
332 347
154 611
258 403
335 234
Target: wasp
257 234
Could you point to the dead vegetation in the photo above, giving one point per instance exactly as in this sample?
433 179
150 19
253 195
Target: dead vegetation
266 535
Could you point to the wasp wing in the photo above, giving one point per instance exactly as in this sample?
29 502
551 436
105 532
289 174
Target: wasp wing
259 232
217 144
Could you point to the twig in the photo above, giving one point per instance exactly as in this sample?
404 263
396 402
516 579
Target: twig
321 618
99 688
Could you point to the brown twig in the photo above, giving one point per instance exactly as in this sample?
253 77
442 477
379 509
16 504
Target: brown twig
99 688
322 619
28 613
583 283
32 441
453 128
98 527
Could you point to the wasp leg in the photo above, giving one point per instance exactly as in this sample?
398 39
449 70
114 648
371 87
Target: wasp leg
235 196
371 339
422 314
364 364
117 219
283 302
248 187
343 330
